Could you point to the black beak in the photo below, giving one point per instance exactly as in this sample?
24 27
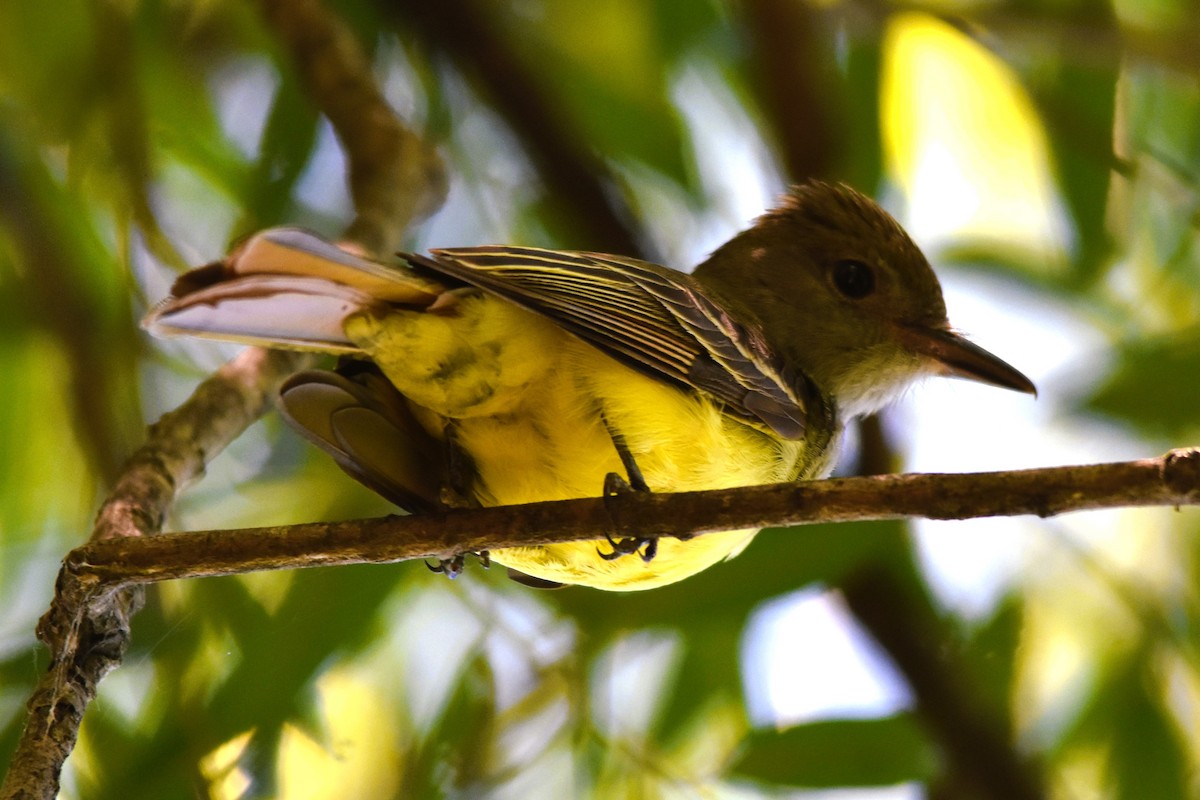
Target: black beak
958 358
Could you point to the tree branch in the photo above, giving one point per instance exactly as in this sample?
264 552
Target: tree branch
98 575
87 626
786 68
983 762
395 178
575 176
1171 480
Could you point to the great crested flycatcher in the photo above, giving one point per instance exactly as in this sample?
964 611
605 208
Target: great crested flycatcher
510 375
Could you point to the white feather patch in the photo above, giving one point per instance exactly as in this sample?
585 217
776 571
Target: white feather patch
265 309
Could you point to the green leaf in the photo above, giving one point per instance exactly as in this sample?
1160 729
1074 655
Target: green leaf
287 145
862 162
145 766
71 285
1145 389
682 29
181 114
456 751
19 672
1079 113
709 670
838 753
1163 116
1149 758
327 612
44 63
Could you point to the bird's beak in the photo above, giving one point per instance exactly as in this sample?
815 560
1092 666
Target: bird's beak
955 357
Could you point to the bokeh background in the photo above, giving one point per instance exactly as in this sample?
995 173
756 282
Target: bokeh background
1046 156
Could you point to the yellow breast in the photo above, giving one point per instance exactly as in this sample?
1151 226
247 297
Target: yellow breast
530 404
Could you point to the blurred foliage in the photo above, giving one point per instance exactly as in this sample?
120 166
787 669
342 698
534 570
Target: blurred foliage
863 752
139 137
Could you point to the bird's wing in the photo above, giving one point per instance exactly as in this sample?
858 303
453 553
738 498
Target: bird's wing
652 318
360 419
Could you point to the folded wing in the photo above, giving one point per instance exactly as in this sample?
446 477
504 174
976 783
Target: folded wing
652 318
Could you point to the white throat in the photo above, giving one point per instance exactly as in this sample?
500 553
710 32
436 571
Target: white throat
879 379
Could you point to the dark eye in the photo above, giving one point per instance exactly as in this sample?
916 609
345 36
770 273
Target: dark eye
853 279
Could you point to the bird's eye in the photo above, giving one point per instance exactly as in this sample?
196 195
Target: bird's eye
854 279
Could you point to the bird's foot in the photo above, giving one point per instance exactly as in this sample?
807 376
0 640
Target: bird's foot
645 547
453 567
629 546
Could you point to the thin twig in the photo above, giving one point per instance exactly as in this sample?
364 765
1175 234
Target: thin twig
1171 480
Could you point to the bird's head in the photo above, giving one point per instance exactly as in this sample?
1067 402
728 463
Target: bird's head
843 293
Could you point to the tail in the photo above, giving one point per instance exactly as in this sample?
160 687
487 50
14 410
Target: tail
285 287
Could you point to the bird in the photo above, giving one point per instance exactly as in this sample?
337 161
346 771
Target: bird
498 374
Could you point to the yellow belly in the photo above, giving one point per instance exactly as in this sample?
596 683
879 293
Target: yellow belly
529 404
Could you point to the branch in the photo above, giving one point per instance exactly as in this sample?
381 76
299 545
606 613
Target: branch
786 66
94 586
977 742
87 626
575 176
393 179
94 573
1171 480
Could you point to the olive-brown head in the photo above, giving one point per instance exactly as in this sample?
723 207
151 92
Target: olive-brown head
845 296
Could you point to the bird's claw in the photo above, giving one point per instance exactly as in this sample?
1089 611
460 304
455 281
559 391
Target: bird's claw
453 567
629 546
614 486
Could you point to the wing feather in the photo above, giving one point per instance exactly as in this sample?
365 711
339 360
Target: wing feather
652 318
